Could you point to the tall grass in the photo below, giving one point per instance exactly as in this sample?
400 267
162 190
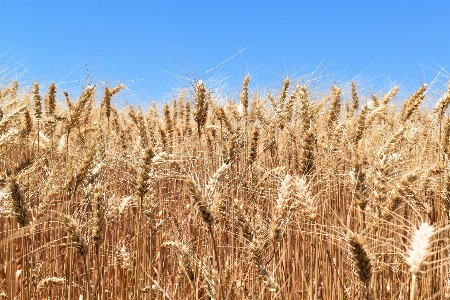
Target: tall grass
308 194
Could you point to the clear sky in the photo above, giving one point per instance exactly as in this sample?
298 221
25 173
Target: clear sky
384 42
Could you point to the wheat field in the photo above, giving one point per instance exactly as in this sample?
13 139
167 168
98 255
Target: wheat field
287 193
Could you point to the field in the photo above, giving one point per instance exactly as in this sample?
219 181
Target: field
288 193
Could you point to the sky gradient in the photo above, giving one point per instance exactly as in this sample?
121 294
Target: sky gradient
139 43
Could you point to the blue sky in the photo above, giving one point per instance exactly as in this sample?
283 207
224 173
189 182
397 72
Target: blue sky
378 42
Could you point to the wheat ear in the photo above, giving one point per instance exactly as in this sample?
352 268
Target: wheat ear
362 261
355 99
335 107
411 105
50 103
19 205
442 104
244 94
49 280
418 252
200 108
